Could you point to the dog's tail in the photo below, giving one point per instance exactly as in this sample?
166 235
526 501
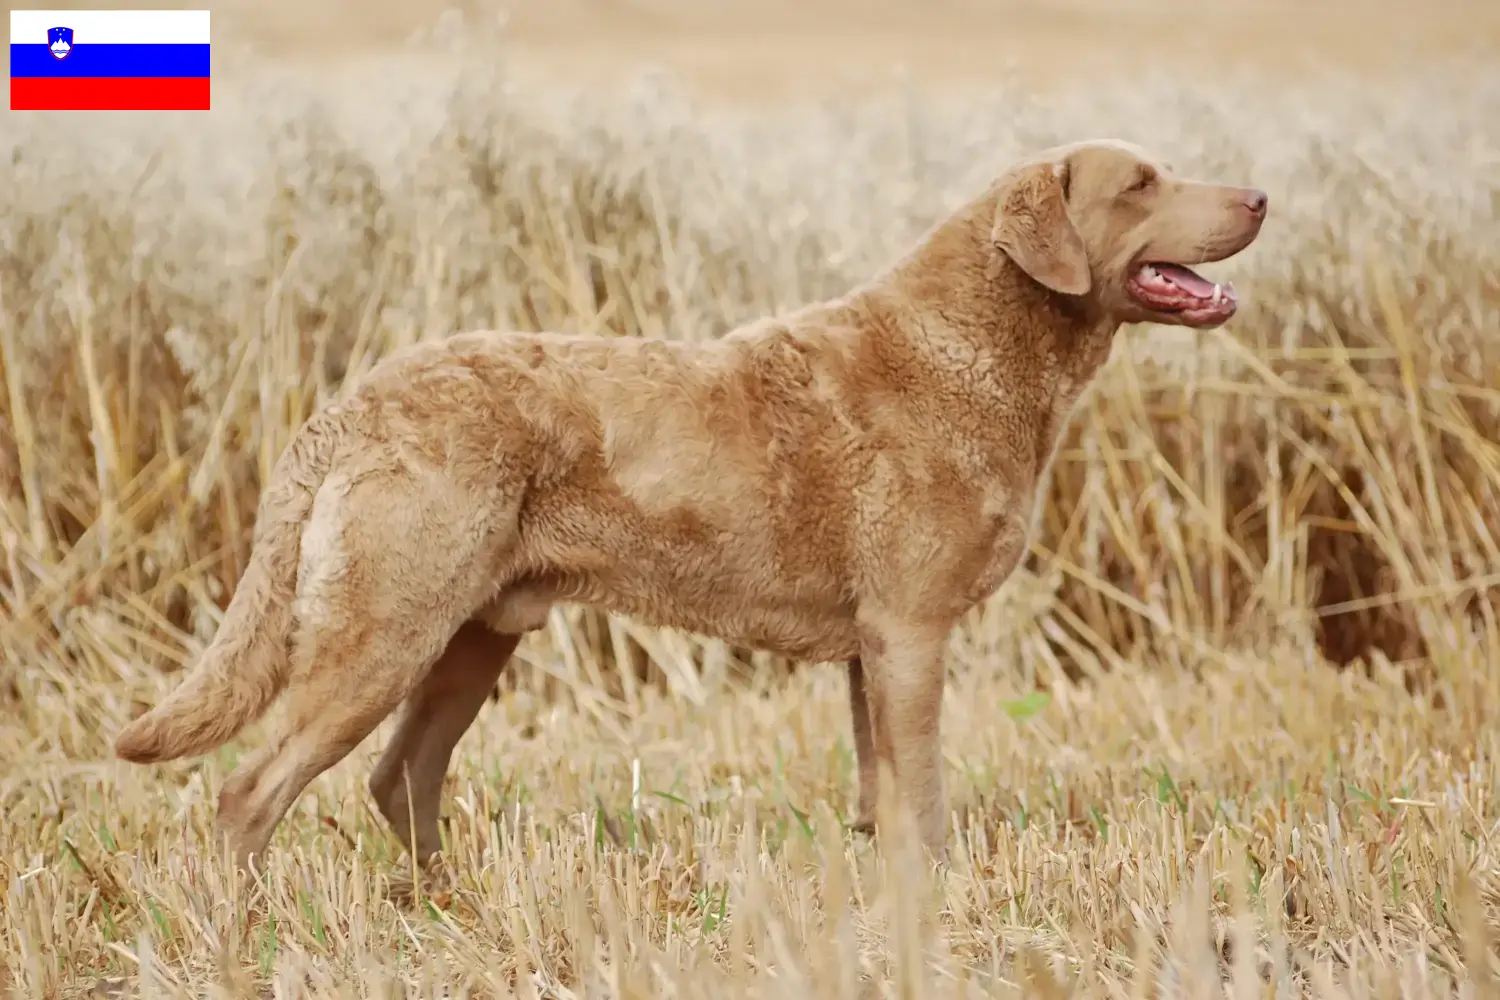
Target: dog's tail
245 667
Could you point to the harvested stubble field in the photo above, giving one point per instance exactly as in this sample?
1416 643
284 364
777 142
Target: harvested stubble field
1230 730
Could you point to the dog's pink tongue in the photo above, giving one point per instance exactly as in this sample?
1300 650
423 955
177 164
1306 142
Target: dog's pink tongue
1186 280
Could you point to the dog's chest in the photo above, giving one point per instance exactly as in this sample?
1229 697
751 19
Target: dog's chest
1002 542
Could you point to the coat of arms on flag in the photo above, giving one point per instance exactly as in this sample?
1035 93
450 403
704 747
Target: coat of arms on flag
60 42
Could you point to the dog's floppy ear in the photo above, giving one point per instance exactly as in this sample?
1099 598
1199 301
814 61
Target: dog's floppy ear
1032 227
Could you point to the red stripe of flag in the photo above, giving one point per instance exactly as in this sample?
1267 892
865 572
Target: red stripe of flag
30 93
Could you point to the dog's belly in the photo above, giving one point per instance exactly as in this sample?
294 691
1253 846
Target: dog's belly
803 630
810 631
728 591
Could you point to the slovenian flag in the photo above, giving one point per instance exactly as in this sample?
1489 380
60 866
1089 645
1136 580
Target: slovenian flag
109 60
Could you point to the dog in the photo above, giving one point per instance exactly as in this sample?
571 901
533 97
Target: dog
841 483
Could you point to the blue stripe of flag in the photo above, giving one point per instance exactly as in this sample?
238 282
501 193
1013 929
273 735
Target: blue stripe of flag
86 60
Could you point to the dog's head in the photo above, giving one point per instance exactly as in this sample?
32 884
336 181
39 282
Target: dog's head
1103 220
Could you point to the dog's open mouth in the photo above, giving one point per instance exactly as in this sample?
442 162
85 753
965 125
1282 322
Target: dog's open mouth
1189 298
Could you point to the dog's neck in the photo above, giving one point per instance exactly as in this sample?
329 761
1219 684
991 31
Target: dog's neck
961 308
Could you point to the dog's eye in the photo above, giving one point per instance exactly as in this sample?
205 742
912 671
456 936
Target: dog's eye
1144 181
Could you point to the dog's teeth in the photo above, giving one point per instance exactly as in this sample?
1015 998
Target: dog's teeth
1218 293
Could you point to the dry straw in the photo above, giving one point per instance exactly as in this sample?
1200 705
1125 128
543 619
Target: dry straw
1262 608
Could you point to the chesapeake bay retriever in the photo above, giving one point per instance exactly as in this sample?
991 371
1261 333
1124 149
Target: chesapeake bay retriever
838 484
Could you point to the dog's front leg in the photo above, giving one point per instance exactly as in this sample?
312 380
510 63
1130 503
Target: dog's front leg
865 761
901 669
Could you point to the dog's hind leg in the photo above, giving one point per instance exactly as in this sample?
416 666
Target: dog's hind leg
408 780
392 565
356 678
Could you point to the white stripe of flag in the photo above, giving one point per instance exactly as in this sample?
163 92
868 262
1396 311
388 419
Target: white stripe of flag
112 27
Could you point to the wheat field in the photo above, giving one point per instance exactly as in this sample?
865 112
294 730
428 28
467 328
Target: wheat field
1228 733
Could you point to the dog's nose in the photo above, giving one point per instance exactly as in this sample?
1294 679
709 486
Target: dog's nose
1255 201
